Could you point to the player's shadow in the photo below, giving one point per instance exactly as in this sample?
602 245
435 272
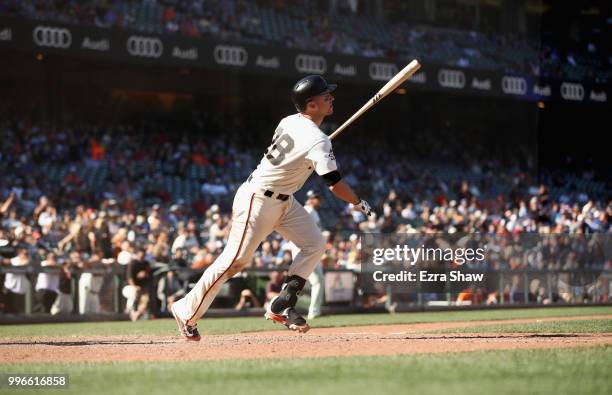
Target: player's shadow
64 343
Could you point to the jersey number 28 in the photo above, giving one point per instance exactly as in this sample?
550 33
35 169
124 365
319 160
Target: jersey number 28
282 144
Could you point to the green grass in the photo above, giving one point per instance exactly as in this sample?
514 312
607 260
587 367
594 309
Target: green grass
250 324
574 326
555 371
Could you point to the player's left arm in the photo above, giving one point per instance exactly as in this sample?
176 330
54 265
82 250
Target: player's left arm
324 163
342 190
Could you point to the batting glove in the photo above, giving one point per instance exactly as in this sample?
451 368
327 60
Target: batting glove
364 207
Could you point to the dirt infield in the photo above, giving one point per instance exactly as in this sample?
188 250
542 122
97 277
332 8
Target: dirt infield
319 342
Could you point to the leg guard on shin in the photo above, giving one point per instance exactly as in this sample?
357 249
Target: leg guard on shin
288 295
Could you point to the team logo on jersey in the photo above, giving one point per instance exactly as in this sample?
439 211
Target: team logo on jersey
331 155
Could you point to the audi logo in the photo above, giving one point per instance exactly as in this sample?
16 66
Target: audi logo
54 37
419 78
543 90
382 71
572 91
147 47
600 97
514 85
310 64
230 55
451 78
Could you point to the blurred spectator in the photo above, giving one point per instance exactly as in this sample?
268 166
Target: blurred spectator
139 277
470 296
161 248
380 298
16 284
90 284
63 303
125 255
47 285
268 258
169 289
178 259
247 298
274 286
218 230
7 204
285 261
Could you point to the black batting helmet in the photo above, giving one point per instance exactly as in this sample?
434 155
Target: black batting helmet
307 88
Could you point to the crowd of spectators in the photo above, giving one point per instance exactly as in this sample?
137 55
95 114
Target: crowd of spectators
128 222
334 26
488 196
118 165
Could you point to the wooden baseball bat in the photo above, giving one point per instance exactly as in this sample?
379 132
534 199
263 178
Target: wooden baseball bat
389 87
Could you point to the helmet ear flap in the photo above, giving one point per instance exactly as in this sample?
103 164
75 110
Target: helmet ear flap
302 106
307 88
306 103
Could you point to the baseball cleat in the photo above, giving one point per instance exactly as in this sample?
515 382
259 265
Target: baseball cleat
290 318
189 332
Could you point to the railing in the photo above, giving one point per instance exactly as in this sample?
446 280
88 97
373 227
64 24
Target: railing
345 292
508 287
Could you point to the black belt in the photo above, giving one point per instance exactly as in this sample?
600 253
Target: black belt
280 196
269 193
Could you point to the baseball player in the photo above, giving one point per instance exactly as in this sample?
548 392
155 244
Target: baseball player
264 203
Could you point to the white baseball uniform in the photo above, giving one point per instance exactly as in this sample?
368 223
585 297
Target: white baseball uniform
298 148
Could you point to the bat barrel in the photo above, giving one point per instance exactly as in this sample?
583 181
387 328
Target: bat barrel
390 86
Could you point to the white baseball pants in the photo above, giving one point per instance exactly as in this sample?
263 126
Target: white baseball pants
254 217
317 288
